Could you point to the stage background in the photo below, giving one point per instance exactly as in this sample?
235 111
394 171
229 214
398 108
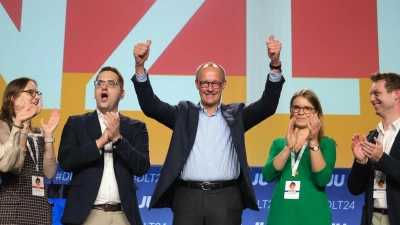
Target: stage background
329 46
346 208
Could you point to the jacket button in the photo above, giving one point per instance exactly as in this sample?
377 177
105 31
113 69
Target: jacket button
98 180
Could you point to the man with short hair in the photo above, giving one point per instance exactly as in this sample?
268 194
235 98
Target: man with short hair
376 166
104 150
206 178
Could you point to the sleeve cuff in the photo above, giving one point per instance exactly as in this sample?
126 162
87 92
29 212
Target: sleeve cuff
275 77
361 162
49 161
141 77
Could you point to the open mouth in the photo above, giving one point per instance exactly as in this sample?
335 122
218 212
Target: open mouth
104 97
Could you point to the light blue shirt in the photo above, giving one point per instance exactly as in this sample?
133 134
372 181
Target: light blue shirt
213 156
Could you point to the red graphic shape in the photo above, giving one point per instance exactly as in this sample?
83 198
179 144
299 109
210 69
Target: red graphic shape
14 11
216 32
94 29
334 38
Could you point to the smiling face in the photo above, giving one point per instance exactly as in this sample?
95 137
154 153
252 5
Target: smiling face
108 97
304 103
383 101
30 92
22 87
301 118
210 94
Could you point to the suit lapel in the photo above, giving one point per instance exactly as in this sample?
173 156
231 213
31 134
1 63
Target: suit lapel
123 125
371 135
193 124
228 115
94 125
395 146
396 143
226 112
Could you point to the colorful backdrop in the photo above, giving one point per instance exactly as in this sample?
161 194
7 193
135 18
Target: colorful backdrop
329 46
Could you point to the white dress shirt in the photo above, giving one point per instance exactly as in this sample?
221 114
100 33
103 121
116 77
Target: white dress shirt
108 192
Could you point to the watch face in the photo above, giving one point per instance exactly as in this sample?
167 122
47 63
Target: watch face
315 148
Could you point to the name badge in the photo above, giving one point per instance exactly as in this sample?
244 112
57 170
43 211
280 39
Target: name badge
292 190
379 188
37 186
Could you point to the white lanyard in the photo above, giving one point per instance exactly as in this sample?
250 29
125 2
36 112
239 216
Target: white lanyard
36 150
295 165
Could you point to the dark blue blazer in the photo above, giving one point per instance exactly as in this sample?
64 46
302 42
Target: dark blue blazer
183 120
361 180
78 153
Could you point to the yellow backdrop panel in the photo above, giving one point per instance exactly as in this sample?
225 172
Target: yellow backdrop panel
258 139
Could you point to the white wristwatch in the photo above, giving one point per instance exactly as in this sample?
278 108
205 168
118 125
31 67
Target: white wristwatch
314 148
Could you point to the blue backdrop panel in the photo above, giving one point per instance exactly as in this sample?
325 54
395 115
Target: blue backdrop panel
345 208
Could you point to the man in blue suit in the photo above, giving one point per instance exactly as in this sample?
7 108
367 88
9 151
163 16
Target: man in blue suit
104 150
205 178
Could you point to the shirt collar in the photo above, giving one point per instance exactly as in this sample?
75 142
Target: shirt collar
395 125
101 115
202 109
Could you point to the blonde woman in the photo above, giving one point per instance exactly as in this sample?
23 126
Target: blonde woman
302 165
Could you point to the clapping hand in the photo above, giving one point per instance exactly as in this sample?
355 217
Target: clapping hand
314 125
356 148
112 125
373 151
25 111
291 134
51 125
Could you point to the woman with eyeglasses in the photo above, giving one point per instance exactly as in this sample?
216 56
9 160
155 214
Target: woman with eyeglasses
301 164
11 156
23 195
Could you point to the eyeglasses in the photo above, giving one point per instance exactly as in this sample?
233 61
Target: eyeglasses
33 93
110 83
206 84
306 109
